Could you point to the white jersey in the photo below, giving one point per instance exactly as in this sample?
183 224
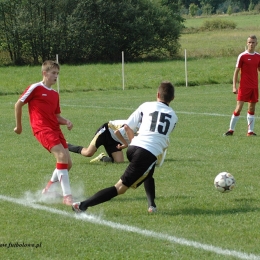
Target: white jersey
118 125
157 122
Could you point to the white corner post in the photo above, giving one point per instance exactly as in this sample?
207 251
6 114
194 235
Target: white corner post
123 71
58 82
186 72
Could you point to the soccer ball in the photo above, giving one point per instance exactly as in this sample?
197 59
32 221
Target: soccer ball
224 182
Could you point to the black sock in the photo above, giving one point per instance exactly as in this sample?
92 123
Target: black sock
100 197
149 186
106 159
75 148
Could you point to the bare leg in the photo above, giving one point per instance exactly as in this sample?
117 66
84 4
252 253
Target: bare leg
118 156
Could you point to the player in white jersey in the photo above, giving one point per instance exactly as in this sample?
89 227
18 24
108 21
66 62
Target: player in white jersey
157 122
112 136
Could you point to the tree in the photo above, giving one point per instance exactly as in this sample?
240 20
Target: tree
34 30
11 37
251 6
46 28
244 4
187 3
229 10
138 27
202 3
86 30
207 9
193 9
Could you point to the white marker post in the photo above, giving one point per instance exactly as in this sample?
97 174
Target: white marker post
58 82
186 72
123 72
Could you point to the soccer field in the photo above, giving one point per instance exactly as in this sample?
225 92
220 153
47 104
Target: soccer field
194 220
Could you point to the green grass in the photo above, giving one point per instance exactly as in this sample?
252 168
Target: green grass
137 75
189 207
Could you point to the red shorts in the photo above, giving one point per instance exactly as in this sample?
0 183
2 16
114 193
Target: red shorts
247 95
49 138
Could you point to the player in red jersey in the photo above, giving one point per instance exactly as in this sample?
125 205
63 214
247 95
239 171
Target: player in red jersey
45 119
248 64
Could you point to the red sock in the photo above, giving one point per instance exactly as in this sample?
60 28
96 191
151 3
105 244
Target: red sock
61 166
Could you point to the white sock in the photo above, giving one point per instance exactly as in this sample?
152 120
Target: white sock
233 122
63 176
52 184
54 176
250 123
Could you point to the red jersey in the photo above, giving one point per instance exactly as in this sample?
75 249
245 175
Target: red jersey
248 64
43 105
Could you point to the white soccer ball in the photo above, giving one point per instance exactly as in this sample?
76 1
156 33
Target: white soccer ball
224 182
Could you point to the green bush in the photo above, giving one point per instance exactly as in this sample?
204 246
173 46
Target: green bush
257 8
218 24
193 9
229 10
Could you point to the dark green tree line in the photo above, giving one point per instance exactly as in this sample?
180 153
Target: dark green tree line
215 4
88 30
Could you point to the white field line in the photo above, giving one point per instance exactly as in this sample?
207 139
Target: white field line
132 109
144 232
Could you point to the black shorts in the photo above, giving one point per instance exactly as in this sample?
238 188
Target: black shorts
141 166
103 137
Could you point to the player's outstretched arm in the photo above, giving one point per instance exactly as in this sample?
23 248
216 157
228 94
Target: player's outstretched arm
18 116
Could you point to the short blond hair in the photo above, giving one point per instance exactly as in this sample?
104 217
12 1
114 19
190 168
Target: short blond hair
253 37
50 64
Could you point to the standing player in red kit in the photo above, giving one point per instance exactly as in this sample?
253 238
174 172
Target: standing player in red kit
45 119
248 64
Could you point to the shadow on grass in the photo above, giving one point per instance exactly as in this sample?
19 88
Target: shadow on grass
213 212
193 211
244 206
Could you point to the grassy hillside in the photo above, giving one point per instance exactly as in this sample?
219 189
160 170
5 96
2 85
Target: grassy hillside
244 21
220 43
